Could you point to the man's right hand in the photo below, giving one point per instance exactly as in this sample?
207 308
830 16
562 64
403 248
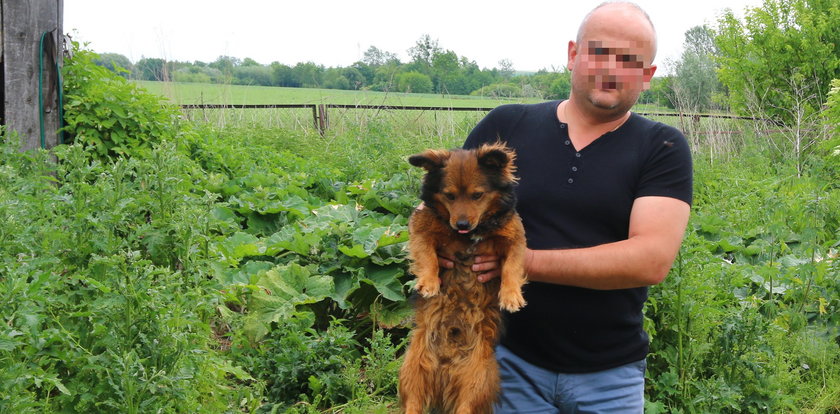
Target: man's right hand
486 266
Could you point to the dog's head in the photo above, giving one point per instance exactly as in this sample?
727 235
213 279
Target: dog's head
467 187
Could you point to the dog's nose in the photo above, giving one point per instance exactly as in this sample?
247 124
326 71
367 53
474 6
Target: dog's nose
462 224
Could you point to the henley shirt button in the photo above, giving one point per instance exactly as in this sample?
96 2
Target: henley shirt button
568 142
577 154
562 125
574 168
571 180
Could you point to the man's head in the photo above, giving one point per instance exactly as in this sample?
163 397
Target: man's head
612 58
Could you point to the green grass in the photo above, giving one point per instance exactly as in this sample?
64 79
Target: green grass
196 93
182 93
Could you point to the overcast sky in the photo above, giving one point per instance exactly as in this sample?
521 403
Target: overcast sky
531 34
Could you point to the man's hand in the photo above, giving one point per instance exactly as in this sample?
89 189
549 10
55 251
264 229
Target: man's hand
487 266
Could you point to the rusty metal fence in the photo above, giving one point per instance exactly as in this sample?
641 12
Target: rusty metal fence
321 114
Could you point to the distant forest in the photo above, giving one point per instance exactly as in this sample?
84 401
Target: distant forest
431 70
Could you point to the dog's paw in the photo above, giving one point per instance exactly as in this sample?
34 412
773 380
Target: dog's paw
428 287
511 301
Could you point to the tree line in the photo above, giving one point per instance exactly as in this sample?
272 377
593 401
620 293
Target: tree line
782 55
431 69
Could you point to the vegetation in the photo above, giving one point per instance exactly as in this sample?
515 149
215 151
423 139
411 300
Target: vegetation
109 114
782 56
694 85
431 70
177 266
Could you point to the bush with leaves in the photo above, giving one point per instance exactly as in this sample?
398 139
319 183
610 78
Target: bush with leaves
747 320
103 277
109 114
782 51
831 121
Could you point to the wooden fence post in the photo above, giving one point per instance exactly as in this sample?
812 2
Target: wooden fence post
323 119
26 28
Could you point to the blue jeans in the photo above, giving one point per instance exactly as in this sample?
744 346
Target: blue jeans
527 388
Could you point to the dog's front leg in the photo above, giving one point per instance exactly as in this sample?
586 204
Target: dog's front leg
513 273
424 264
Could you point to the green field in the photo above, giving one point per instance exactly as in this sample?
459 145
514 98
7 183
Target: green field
182 93
208 93
351 120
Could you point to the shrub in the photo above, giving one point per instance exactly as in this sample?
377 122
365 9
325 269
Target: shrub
832 123
109 114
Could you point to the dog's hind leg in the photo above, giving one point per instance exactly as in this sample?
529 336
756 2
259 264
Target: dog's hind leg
477 382
416 382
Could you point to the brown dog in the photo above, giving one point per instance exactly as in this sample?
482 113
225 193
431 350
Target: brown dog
469 201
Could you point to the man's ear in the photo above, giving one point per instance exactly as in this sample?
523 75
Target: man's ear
648 75
430 159
571 55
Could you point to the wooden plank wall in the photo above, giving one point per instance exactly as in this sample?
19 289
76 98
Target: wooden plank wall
22 22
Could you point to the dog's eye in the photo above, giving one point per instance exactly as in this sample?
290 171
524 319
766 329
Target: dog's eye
449 196
476 196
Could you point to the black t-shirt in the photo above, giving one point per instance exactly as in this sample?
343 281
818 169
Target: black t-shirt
570 199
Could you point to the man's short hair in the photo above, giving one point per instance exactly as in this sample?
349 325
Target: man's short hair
632 5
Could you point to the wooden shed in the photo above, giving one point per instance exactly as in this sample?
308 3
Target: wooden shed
31 47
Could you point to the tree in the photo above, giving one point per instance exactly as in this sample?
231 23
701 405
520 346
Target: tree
376 57
249 62
354 76
308 75
150 69
445 70
282 75
366 70
414 82
384 77
333 78
253 75
776 42
660 92
225 65
561 87
424 51
695 84
506 69
115 61
831 122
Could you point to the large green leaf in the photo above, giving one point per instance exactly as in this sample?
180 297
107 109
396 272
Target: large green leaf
291 238
345 285
385 280
283 288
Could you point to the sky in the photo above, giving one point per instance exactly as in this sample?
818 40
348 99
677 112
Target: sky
532 34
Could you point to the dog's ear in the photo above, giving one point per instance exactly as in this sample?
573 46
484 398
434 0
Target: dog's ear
495 156
430 159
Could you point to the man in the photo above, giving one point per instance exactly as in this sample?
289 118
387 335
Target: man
604 195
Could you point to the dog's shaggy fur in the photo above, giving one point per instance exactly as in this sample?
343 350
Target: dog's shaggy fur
468 210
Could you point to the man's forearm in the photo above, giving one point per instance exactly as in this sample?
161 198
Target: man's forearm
620 265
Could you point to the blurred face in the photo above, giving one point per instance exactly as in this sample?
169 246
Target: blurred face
612 64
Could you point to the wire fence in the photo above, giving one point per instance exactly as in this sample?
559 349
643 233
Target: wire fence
718 133
320 113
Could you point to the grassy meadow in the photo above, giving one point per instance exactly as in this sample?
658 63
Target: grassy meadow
209 93
243 262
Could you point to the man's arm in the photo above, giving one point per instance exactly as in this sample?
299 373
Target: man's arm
657 225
